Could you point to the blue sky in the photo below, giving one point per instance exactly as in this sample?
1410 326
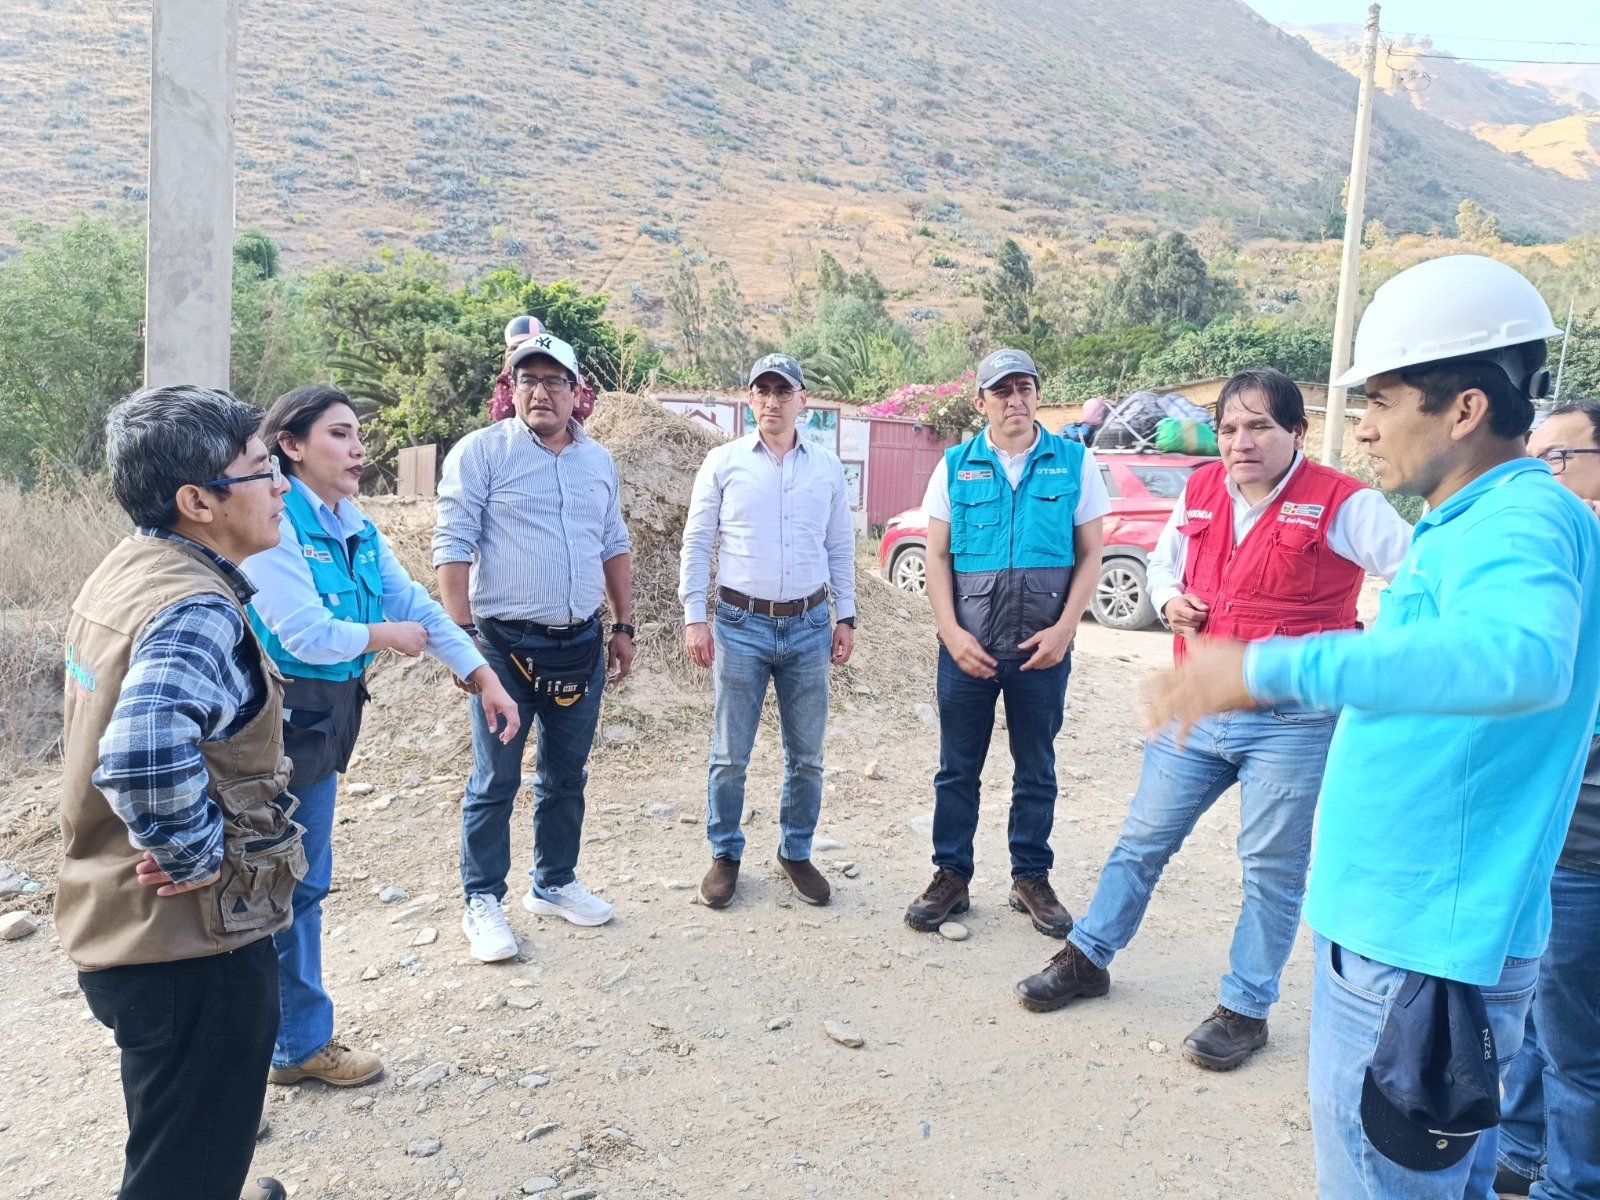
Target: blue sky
1476 29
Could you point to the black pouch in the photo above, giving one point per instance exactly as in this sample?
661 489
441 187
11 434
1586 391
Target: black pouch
559 673
321 720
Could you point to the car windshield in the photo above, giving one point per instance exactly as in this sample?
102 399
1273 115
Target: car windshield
1165 483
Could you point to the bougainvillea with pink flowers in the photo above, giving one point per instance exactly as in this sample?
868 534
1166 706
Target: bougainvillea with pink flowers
946 407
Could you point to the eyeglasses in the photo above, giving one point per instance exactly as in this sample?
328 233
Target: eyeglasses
553 385
1558 458
772 395
273 472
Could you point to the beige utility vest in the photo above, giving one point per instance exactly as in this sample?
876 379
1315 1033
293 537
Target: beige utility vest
104 916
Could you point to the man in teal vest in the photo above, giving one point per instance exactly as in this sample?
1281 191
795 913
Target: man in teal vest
1013 557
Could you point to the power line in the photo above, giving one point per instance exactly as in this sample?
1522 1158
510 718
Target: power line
1538 62
1451 37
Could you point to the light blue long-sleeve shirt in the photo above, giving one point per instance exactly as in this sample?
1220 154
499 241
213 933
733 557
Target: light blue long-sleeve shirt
537 525
783 525
288 602
1467 713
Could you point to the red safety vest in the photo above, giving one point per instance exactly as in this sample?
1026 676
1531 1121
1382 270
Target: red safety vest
1283 578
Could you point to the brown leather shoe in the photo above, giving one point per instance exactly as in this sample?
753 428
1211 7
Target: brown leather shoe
808 882
945 896
1225 1039
1069 976
335 1064
716 889
1034 896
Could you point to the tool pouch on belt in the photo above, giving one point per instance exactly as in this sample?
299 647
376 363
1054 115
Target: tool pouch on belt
559 673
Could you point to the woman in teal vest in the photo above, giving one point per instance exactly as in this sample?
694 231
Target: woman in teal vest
329 597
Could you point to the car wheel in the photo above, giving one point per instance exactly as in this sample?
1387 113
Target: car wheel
909 571
1122 599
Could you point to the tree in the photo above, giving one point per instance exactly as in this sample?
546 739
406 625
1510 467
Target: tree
1475 223
71 342
727 344
686 306
1009 304
1226 346
255 251
1160 280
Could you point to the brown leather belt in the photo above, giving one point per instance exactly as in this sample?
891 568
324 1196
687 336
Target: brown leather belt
773 608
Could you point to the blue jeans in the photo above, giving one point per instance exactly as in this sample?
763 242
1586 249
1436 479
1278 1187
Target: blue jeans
1349 1002
794 653
1034 703
560 757
305 1023
1276 756
1550 1123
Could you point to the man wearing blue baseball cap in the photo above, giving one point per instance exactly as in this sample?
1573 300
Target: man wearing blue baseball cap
1466 716
1013 557
777 508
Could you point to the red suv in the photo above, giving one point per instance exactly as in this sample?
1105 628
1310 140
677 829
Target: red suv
1143 487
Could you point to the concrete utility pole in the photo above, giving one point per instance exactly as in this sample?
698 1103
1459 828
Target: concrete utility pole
189 275
1354 219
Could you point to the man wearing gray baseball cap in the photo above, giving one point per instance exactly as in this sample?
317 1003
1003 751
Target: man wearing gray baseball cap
1013 557
780 510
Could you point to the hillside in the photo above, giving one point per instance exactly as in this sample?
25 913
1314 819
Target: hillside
1542 114
599 137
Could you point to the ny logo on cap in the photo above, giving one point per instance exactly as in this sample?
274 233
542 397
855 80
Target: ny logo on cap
544 341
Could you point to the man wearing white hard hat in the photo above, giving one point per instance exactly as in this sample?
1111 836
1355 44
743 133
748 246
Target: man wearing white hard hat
1465 716
530 546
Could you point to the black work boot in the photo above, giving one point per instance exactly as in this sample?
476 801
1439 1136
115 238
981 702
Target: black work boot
1225 1039
1033 895
1069 976
944 897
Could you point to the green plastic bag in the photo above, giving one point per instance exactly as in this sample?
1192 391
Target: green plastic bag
1180 435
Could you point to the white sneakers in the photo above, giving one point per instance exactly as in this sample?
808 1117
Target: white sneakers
572 901
490 934
487 930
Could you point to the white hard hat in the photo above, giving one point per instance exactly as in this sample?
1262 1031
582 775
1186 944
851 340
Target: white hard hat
1451 307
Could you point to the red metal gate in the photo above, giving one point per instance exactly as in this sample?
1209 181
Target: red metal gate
901 456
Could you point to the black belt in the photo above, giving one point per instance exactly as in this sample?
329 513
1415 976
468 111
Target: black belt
549 631
773 608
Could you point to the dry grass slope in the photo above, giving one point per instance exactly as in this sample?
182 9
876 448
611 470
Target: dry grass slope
597 138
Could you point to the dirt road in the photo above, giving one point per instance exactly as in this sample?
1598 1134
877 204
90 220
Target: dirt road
679 1052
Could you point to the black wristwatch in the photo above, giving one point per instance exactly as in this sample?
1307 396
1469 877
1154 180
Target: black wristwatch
622 627
469 629
850 621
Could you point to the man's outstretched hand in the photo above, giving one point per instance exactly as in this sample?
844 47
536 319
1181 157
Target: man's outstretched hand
1210 680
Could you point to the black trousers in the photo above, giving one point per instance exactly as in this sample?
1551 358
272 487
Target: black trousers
196 1040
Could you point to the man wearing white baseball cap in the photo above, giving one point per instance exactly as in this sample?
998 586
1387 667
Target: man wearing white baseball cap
1466 714
530 542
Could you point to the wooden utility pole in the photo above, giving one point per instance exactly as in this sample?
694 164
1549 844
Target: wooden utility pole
1354 219
189 273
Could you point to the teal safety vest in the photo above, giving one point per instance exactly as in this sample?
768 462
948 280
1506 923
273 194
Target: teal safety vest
1011 548
347 578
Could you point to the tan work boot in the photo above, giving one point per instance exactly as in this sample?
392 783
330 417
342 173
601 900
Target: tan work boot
335 1064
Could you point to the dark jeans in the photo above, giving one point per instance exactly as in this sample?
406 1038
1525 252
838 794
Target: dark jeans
196 1040
1034 702
565 737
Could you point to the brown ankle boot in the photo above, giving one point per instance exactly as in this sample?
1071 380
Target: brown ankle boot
1225 1039
1034 896
1069 976
808 882
716 889
944 897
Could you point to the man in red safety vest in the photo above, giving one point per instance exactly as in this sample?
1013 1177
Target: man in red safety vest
1264 542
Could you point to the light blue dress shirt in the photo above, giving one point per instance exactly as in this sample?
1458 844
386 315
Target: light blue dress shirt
784 526
537 525
288 602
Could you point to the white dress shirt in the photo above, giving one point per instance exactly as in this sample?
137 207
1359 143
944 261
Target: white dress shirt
1366 530
1093 499
784 525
